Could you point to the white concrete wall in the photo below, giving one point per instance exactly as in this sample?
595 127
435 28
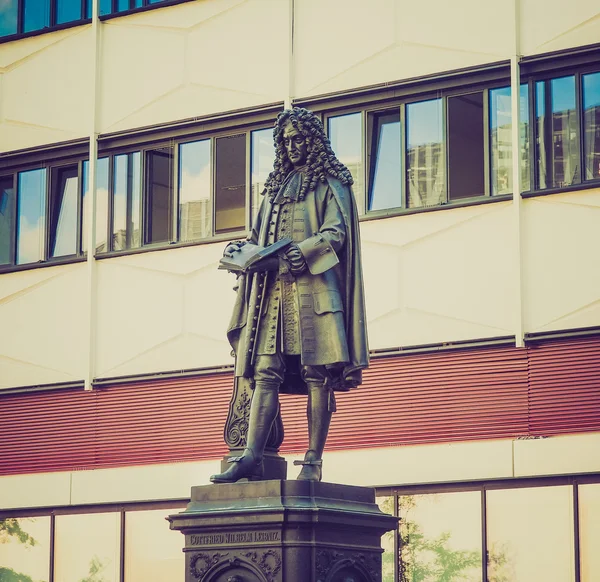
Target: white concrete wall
423 464
45 88
561 261
42 317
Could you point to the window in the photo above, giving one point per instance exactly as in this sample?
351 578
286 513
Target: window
64 201
19 17
31 216
25 548
7 212
230 184
263 155
115 7
518 530
159 196
126 202
591 125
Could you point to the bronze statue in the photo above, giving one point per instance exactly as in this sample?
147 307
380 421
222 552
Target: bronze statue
298 324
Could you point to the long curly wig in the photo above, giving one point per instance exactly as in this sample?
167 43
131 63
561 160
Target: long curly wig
321 161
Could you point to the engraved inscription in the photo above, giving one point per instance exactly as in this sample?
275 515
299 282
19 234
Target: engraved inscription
238 537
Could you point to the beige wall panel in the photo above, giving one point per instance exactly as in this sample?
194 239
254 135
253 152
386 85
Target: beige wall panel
192 60
46 90
393 40
417 295
39 490
557 455
561 261
163 311
549 25
46 317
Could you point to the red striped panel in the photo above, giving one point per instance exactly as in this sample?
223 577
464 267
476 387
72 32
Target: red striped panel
449 396
565 387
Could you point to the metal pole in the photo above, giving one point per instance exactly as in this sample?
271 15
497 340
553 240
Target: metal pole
91 268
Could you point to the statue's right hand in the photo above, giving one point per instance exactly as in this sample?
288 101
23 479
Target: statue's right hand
233 247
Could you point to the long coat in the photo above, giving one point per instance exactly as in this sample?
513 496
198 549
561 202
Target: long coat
330 292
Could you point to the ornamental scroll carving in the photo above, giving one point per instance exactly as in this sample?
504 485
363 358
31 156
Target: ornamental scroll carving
329 563
236 426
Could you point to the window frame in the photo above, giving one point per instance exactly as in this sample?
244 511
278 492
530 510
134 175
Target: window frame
53 26
146 5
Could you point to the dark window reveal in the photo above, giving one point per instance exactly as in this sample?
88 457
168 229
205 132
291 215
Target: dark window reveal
230 187
159 196
466 146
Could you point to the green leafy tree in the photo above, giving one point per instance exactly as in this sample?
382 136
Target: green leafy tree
95 573
11 529
8 575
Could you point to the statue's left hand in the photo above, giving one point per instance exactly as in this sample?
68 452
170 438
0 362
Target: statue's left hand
233 247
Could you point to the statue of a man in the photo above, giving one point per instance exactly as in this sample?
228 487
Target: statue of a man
298 324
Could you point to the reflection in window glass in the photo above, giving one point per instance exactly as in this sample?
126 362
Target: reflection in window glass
385 168
591 125
63 211
230 184
9 10
152 551
159 202
101 205
440 537
31 216
386 504
557 133
7 205
25 549
105 7
122 5
501 139
425 154
589 532
87 547
530 535
465 146
345 134
36 15
68 11
126 202
195 212
263 157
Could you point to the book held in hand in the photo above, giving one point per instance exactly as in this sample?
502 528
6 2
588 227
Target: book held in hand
250 255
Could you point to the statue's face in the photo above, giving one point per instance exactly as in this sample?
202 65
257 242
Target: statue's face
295 145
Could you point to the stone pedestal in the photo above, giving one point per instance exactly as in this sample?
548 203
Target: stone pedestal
282 531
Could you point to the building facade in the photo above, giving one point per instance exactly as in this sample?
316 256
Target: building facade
142 130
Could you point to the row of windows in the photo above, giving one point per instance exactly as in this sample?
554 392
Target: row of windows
548 533
92 547
537 530
455 148
19 17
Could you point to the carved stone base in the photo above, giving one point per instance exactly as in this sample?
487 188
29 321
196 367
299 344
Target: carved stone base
282 531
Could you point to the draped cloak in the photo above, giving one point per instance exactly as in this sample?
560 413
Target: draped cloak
330 293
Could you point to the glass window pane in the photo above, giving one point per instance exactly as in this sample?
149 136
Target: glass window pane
101 205
88 8
530 535
465 146
31 189
68 11
152 551
591 125
385 165
589 532
345 134
195 211
9 10
105 7
230 191
159 202
426 163
36 15
501 139
87 548
126 202
386 504
558 136
440 537
63 211
122 5
263 157
7 212
25 549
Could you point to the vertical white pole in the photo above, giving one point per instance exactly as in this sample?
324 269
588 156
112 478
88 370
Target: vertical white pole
291 67
515 87
91 268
